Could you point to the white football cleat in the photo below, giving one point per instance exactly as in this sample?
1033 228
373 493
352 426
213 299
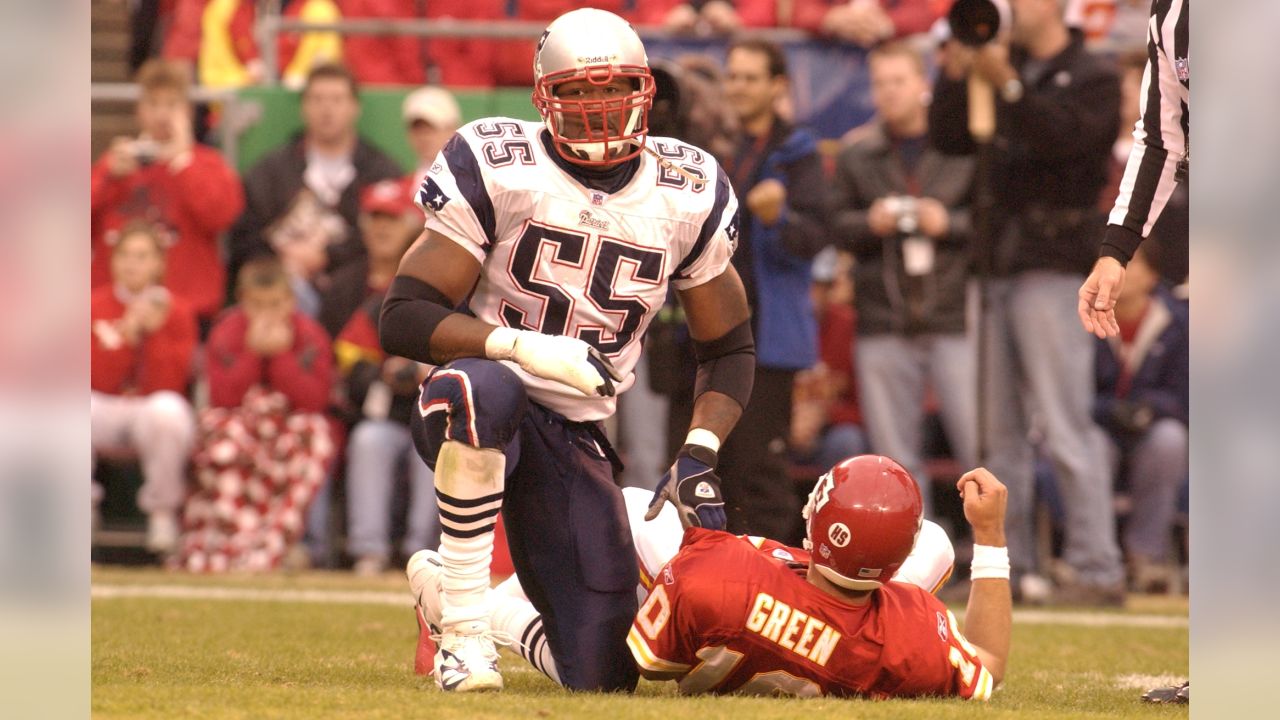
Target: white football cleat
424 572
469 662
466 658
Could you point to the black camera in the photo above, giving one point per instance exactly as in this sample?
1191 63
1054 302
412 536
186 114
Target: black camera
974 22
905 211
145 151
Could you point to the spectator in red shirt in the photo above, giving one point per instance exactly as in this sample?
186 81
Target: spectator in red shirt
165 177
142 342
866 22
265 444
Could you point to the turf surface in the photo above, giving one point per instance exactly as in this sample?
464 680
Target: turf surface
166 657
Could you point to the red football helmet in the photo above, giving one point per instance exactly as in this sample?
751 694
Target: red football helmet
862 517
596 46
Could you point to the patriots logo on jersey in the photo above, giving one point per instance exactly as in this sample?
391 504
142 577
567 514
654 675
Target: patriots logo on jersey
430 195
731 232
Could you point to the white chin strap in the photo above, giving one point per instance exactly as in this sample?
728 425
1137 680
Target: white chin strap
846 582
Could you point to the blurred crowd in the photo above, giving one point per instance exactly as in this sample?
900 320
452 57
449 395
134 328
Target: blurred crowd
217 43
234 316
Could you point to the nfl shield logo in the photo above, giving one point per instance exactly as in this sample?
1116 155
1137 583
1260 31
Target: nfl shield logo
597 197
1183 67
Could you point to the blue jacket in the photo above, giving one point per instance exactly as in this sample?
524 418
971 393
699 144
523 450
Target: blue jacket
1162 352
786 330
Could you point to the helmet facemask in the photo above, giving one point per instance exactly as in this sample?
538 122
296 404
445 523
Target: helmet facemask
597 132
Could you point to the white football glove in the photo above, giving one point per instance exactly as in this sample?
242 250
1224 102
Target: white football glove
564 359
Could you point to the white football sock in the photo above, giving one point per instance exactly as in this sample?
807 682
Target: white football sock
522 622
469 484
510 588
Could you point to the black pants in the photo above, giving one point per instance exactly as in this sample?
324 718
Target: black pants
759 498
566 521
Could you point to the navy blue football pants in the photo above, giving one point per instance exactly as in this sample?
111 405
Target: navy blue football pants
565 519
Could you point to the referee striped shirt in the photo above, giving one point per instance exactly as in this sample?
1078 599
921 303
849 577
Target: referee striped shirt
1161 135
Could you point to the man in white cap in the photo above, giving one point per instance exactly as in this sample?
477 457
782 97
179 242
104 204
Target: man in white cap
431 116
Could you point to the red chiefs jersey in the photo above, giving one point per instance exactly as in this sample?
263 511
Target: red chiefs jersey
731 615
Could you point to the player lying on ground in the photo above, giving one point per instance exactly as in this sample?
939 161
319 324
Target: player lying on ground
750 615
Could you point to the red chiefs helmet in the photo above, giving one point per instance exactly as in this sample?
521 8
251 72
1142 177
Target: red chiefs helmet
596 46
862 517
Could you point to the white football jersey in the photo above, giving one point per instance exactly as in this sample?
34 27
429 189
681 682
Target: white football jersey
561 258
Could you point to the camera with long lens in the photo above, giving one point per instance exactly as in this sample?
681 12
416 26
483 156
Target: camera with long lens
905 211
974 22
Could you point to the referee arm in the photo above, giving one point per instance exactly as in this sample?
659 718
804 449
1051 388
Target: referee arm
1160 147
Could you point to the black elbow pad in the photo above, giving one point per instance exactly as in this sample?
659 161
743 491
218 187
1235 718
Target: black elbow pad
410 313
727 364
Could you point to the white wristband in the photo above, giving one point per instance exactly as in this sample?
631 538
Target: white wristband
501 343
989 562
705 438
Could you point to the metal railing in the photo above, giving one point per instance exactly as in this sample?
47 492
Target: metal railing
271 24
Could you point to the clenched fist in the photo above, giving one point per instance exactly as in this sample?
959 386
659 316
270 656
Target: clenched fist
985 499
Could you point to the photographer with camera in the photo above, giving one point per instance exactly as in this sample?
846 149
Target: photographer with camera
1056 117
902 207
163 176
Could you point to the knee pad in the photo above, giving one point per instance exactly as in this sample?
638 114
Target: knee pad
480 402
466 472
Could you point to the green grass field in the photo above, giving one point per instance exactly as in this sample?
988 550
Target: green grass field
325 645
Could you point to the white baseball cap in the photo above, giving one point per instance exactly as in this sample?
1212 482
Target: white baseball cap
434 105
